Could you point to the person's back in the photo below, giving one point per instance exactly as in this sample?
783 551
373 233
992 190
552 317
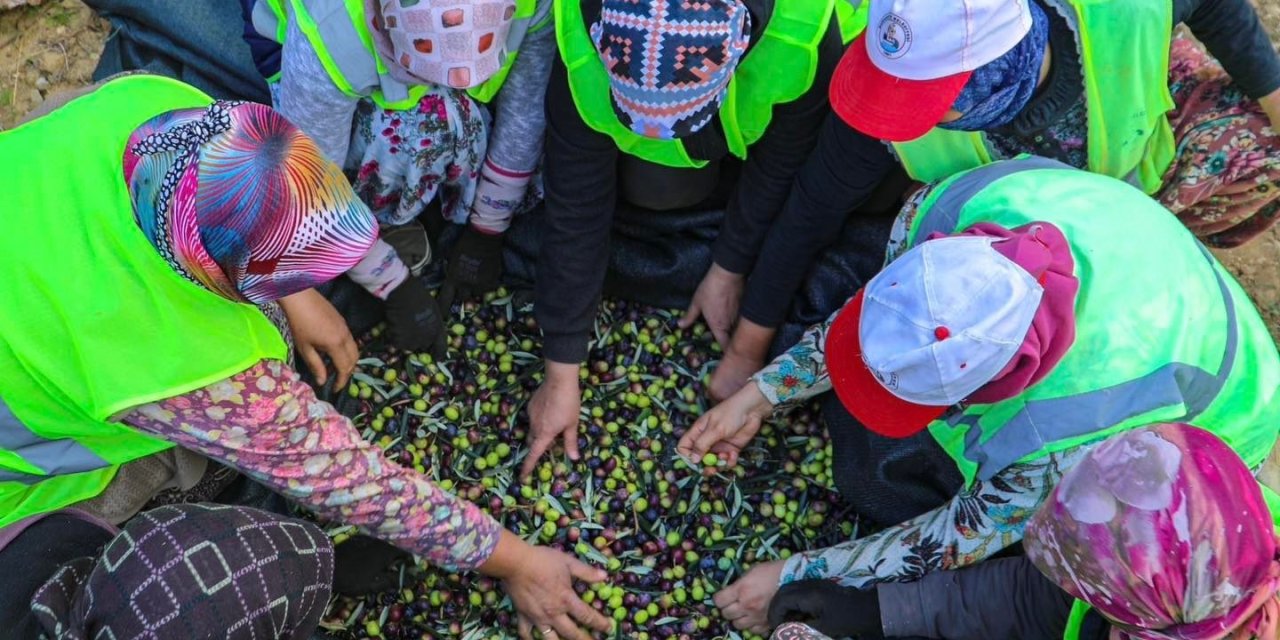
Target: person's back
1159 322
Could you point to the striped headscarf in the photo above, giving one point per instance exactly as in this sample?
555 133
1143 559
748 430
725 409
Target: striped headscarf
1165 532
240 201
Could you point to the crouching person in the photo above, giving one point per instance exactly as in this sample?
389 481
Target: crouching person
1019 322
177 223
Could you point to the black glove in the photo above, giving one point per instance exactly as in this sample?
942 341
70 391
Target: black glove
475 266
837 611
414 319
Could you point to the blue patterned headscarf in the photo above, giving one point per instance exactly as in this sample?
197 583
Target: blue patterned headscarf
670 61
997 91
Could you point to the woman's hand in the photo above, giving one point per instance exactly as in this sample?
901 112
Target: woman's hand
732 375
414 319
716 300
540 583
1271 106
745 603
727 428
742 359
839 612
318 329
553 411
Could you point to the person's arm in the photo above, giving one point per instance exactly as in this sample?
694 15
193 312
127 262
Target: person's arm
842 172
581 191
308 98
772 164
519 127
515 149
999 598
800 372
1002 598
268 424
1232 33
973 526
729 426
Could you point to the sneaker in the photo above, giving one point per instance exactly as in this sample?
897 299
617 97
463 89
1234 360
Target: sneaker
411 243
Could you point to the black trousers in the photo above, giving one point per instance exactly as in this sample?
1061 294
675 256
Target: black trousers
31 558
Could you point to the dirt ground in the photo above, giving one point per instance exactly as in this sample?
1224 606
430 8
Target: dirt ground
44 50
55 46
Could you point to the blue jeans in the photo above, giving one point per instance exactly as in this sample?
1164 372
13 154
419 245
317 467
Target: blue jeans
197 41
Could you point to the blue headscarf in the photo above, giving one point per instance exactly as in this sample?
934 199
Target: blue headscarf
997 91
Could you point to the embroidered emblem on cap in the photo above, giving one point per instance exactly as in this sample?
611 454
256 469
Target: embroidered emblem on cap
894 36
889 380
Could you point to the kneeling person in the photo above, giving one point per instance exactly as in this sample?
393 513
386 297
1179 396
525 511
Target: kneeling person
1024 322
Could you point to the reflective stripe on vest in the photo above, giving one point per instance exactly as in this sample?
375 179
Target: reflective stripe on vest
338 31
780 68
268 19
852 15
1124 48
52 457
1173 374
1049 420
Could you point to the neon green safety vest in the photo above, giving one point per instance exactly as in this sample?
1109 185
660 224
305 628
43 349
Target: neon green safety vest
339 32
780 68
1124 47
92 320
1163 332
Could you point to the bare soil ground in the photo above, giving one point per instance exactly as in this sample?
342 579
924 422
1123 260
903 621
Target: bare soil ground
54 46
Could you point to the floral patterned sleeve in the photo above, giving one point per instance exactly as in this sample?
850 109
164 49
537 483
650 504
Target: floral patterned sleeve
801 372
972 527
268 424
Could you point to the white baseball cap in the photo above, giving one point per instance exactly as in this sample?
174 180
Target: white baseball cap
897 80
937 324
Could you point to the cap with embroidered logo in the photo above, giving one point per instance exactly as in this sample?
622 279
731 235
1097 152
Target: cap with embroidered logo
897 80
936 325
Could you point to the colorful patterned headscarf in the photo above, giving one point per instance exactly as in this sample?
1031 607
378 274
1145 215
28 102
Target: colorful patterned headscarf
670 62
451 43
1165 532
240 201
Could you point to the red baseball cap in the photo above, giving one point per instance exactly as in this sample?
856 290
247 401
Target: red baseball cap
887 107
936 325
860 390
898 79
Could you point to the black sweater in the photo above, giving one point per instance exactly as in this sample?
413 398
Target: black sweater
581 193
847 165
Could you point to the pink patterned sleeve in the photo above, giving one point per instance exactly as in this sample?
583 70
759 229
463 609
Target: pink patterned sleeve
268 424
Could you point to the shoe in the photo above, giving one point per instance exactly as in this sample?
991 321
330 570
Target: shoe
412 244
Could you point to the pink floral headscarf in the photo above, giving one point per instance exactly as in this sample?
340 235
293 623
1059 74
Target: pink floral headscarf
1165 532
